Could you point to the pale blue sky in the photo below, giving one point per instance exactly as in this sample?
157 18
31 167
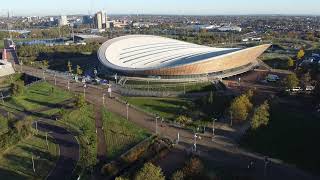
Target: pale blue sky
201 7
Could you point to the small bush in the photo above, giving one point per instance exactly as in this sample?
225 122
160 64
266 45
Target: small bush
17 88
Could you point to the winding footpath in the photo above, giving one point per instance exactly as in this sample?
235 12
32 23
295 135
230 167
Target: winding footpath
69 148
69 151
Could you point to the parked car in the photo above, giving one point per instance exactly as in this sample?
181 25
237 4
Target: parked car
272 78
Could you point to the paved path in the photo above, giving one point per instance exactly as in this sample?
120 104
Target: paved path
227 154
69 151
101 146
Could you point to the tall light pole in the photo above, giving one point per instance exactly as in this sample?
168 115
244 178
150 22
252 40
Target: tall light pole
195 142
213 127
84 90
127 105
68 85
55 79
266 162
157 117
33 166
103 98
231 119
178 138
43 74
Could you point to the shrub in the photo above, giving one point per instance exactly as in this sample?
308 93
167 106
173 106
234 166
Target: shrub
260 116
240 108
183 120
193 168
80 101
178 175
150 172
17 88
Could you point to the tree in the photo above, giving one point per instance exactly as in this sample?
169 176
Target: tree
80 101
291 81
193 168
240 108
300 54
260 116
17 88
182 119
121 178
249 94
290 63
79 70
69 66
306 80
150 172
178 175
210 99
45 64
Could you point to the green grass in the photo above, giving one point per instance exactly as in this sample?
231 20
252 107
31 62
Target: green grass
3 124
6 81
16 162
168 86
39 96
292 136
168 108
82 121
120 134
1 44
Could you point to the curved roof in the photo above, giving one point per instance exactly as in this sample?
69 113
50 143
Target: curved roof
146 52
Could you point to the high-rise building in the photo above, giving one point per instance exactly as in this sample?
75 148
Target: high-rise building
63 21
101 20
87 19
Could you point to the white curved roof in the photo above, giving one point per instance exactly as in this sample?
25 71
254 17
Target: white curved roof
145 52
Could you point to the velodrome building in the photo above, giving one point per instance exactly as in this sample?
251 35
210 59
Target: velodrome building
154 56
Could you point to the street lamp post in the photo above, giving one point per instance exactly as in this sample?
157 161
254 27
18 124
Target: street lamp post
84 90
68 85
231 119
43 75
33 166
157 117
55 80
195 142
266 162
127 106
213 127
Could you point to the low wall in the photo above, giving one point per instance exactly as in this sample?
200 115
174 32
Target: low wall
6 68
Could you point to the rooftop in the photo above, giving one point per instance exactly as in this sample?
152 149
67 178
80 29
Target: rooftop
148 52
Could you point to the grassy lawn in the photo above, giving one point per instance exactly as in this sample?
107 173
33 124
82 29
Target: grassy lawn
16 162
1 44
39 96
82 122
120 134
168 108
160 86
3 124
292 136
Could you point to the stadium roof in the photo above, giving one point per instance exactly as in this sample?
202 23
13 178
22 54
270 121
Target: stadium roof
146 52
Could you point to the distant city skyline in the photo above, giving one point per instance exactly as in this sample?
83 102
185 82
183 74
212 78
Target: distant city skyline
179 7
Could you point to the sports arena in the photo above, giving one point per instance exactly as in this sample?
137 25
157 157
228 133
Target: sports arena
154 56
